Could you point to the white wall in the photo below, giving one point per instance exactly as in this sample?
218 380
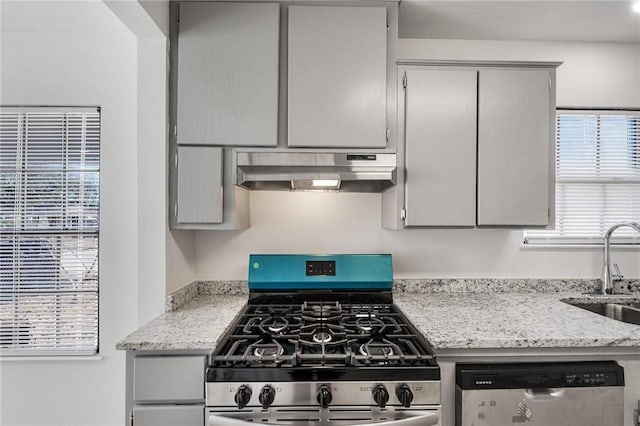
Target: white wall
592 75
79 53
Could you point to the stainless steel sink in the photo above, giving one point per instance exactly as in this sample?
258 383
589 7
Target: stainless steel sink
625 312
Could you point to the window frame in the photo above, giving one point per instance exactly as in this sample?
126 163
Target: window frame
75 233
581 242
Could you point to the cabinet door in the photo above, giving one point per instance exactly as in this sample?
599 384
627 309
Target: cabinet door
440 135
168 415
513 147
228 57
337 76
199 185
168 378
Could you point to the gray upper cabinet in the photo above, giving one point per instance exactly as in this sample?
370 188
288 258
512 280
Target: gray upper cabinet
337 76
199 185
514 111
440 134
479 144
228 55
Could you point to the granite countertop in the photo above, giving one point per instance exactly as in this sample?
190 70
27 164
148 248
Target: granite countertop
512 320
482 316
196 325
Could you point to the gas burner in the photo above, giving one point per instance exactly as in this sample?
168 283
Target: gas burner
266 351
377 349
322 337
369 324
275 324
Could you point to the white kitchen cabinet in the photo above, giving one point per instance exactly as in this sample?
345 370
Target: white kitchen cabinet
199 196
440 137
165 388
227 74
337 76
479 144
168 415
202 190
631 391
514 144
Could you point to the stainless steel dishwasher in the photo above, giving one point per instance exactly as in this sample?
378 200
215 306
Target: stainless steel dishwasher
540 394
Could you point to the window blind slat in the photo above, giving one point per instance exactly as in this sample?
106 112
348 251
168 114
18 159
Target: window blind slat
49 221
597 178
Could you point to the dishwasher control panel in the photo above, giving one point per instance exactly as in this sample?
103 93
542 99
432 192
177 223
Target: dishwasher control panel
539 375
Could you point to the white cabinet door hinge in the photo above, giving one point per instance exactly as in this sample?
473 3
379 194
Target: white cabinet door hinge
175 130
403 214
549 84
404 80
175 160
175 209
131 418
388 22
388 134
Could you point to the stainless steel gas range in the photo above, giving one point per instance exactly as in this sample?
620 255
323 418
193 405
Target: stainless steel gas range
320 342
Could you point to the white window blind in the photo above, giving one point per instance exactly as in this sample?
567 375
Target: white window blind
597 177
49 212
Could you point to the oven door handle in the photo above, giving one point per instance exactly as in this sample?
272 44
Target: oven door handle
423 419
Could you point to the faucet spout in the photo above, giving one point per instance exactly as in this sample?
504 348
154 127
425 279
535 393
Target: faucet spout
607 278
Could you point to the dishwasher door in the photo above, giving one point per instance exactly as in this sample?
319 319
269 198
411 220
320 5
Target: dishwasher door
554 394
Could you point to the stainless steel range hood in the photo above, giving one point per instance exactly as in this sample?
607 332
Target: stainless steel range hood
316 171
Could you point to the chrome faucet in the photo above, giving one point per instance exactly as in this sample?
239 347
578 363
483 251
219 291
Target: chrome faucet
607 276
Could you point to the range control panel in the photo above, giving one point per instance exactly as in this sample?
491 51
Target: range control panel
321 267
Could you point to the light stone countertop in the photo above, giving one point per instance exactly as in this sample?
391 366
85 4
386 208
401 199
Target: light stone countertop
472 319
512 320
197 325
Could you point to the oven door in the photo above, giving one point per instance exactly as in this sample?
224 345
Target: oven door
339 416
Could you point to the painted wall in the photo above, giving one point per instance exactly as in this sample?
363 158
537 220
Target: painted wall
79 53
593 74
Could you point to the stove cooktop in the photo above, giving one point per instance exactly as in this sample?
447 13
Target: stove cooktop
316 334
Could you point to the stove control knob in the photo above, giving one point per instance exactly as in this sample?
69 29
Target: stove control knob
380 395
404 394
324 396
243 395
266 397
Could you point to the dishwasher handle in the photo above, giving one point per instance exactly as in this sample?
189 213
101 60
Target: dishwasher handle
422 419
544 394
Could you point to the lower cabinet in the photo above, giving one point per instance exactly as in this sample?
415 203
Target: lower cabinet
631 392
165 389
168 415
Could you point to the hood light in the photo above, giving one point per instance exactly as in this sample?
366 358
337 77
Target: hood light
636 7
326 183
320 185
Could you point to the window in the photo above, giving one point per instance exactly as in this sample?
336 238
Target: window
597 177
49 221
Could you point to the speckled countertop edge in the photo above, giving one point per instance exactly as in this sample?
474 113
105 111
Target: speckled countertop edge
451 313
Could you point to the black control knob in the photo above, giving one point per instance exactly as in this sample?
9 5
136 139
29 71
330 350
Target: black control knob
404 394
243 395
380 395
324 396
266 397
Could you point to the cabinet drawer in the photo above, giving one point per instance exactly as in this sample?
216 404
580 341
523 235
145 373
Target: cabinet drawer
168 378
169 415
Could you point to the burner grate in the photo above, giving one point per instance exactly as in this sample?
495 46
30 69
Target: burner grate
322 334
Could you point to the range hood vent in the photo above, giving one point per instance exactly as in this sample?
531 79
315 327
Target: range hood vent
316 171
